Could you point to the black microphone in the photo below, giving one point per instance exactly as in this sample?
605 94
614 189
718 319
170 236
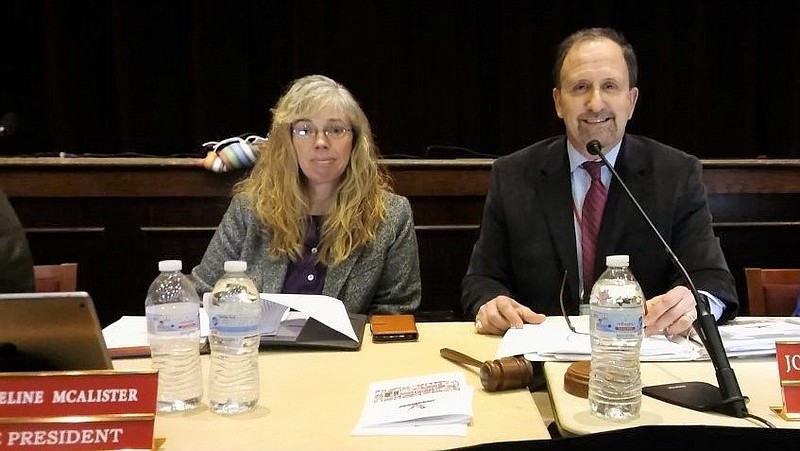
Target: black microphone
8 124
727 399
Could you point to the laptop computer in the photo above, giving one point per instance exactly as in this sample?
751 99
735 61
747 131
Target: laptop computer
57 331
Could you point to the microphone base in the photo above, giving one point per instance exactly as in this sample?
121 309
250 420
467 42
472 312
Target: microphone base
699 396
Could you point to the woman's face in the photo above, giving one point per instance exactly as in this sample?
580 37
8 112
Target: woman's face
323 143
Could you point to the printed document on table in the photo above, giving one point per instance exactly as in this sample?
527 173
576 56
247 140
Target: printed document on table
436 404
131 332
756 335
325 309
285 314
552 340
126 332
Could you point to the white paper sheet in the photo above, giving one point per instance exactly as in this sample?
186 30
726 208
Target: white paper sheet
436 404
325 309
271 315
751 334
126 332
552 340
131 331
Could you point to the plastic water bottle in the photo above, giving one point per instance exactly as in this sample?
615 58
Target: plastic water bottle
617 319
172 309
234 314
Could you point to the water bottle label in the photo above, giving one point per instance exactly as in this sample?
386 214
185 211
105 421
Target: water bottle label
232 324
618 323
161 318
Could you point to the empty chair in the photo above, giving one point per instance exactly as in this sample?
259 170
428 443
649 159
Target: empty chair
772 292
51 278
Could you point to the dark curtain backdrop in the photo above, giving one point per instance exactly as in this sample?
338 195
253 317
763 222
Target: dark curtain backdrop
719 79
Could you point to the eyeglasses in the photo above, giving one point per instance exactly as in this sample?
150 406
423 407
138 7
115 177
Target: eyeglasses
564 309
304 130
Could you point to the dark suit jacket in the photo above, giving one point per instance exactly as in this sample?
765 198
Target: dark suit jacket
16 264
527 236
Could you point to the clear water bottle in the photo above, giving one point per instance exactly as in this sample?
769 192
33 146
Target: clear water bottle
234 314
617 319
172 309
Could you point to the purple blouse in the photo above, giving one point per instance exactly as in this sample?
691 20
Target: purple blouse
306 275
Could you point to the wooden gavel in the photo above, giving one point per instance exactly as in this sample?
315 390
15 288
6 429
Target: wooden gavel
506 373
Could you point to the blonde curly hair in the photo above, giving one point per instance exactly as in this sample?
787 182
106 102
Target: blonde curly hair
277 187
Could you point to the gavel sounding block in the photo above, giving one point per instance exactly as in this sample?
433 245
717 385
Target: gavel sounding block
576 379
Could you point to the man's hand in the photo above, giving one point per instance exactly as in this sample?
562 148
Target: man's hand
672 313
501 313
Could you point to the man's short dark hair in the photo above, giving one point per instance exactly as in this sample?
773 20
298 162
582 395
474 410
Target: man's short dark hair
591 34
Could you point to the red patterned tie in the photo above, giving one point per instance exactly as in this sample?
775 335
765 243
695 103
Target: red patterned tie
590 221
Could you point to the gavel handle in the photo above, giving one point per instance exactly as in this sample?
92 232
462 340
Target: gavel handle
458 357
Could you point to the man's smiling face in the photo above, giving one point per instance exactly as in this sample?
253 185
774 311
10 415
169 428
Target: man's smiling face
594 98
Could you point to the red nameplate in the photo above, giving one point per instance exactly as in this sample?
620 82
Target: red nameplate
63 434
787 354
56 393
78 410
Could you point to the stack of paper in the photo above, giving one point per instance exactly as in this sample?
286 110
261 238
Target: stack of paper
127 337
757 335
437 404
552 340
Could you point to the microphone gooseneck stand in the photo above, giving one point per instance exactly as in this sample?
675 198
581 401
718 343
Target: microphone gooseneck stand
727 399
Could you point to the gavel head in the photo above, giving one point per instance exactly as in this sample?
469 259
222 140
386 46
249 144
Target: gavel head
506 374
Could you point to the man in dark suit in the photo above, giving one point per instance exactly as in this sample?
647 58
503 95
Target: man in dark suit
16 264
531 230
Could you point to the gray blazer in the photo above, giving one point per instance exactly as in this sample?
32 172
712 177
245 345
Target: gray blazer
382 277
527 237
16 263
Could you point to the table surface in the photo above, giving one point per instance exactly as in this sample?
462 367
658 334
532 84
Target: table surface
757 377
312 399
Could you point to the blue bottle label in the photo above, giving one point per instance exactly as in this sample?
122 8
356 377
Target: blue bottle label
234 324
176 317
622 324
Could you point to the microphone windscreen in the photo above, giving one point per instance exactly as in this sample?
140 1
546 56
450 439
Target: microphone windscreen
594 147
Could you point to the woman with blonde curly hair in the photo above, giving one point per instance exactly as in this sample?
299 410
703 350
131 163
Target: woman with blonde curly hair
316 215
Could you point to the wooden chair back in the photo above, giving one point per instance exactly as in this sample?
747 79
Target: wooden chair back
51 278
772 292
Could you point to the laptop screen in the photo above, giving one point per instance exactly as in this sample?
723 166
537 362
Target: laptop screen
56 331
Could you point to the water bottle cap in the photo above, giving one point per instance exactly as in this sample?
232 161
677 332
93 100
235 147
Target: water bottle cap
617 260
170 265
235 266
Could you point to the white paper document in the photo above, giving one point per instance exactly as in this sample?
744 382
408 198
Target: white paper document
552 340
757 335
131 331
325 309
126 332
436 404
271 315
